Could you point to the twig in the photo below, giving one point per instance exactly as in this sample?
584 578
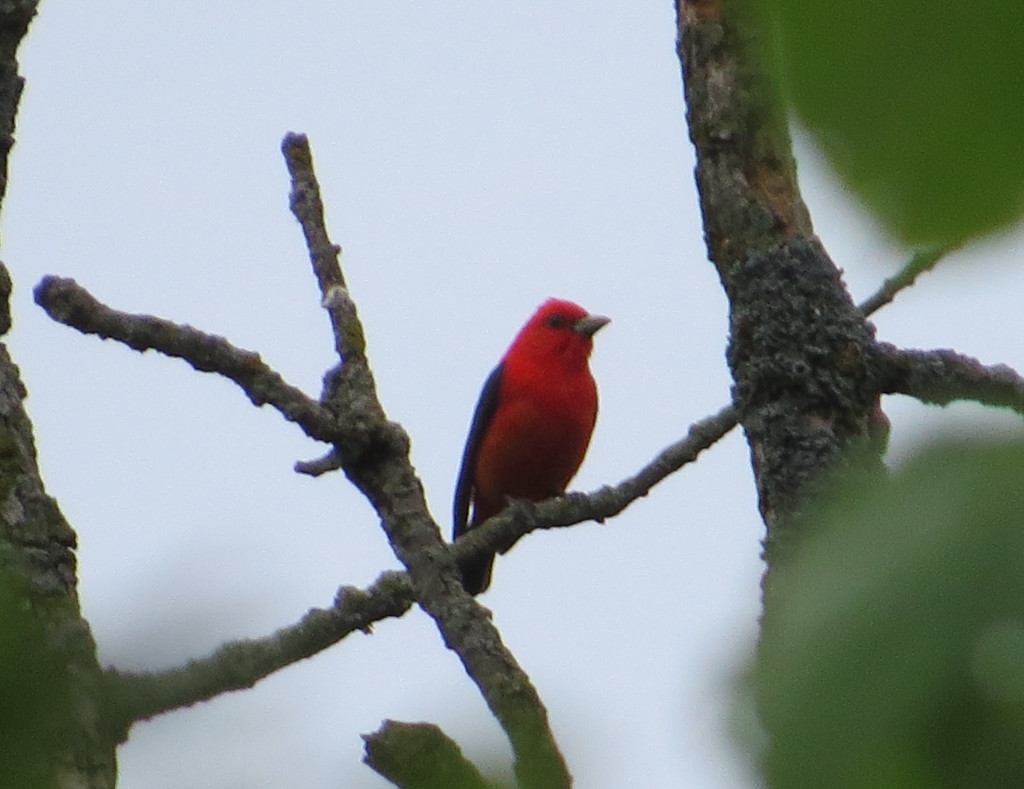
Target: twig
69 303
320 466
922 261
942 376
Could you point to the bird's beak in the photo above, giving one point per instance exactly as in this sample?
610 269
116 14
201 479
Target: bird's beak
588 326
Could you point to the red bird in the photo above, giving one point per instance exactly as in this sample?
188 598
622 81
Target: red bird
532 424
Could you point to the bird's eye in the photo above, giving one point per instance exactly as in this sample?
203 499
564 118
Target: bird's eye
557 322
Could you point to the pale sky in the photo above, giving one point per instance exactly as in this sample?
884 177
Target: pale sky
476 158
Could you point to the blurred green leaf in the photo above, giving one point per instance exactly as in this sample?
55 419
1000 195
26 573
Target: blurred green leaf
917 104
893 646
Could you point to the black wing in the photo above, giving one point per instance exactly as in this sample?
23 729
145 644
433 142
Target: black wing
485 408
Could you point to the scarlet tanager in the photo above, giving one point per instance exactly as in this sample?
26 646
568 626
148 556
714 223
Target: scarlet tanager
532 424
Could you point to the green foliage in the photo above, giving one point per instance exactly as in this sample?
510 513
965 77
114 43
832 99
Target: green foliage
917 103
34 694
893 646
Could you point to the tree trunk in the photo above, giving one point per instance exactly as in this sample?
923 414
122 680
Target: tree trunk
49 680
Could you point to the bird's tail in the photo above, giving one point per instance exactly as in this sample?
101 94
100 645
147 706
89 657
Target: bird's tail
476 575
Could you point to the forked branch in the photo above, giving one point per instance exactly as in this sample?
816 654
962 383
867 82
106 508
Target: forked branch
241 664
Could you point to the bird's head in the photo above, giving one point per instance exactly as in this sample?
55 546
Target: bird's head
559 329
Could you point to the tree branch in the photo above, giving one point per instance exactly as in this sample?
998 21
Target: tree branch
50 670
15 16
420 756
69 303
799 349
374 455
324 255
241 664
131 697
922 261
504 529
320 466
942 376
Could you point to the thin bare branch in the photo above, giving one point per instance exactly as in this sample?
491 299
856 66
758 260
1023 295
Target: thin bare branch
325 255
942 376
922 261
69 303
241 664
503 530
131 697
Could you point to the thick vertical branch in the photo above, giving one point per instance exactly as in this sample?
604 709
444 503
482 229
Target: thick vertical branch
14 20
800 352
745 174
61 742
57 739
